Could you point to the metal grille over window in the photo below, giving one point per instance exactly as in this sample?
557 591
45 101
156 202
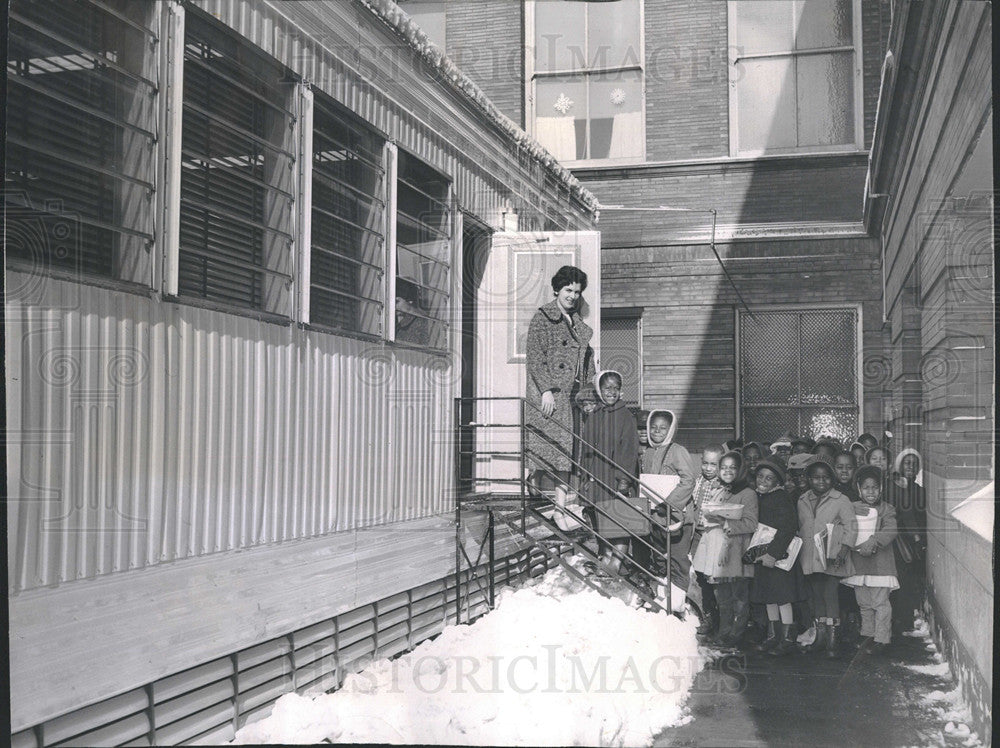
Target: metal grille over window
620 351
798 374
348 211
237 173
423 254
81 129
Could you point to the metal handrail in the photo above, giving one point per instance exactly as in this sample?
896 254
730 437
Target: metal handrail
547 469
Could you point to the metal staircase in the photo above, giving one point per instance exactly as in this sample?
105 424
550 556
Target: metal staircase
512 502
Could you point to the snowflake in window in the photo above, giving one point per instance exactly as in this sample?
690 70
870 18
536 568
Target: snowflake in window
618 97
563 104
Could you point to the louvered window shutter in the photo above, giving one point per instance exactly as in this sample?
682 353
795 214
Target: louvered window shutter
348 222
236 172
81 133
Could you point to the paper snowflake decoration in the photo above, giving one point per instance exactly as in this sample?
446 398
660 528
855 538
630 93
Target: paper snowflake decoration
618 97
563 104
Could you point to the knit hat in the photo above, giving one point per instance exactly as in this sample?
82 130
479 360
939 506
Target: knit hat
804 440
799 461
868 471
816 462
752 444
785 440
773 467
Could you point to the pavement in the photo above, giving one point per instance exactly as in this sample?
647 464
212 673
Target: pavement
903 698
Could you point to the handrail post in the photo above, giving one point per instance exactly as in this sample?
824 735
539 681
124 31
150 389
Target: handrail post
524 468
458 511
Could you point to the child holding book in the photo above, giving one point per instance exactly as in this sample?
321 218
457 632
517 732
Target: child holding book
729 525
828 528
772 586
873 561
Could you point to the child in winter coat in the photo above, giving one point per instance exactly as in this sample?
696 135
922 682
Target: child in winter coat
844 466
873 561
776 588
720 553
752 454
818 507
663 456
909 500
707 489
609 458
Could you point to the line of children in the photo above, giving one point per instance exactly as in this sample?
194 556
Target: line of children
794 485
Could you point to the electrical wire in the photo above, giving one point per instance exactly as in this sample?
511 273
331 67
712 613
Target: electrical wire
715 251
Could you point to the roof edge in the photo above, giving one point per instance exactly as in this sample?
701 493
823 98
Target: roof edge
403 26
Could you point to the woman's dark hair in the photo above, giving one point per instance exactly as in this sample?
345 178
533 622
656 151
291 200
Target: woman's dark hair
567 275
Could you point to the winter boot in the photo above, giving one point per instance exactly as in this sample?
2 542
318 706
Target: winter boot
819 643
741 610
774 635
833 640
709 623
725 629
787 643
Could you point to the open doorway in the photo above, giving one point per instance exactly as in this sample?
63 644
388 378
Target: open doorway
476 241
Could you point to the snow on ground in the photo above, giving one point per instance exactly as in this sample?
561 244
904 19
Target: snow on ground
554 663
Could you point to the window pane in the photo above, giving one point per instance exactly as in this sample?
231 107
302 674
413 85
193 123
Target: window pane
766 95
829 345
560 114
236 175
840 423
423 254
613 34
764 26
620 351
826 99
616 115
81 128
769 364
764 425
823 23
559 35
347 217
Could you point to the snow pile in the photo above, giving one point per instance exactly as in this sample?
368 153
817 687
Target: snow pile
553 664
940 669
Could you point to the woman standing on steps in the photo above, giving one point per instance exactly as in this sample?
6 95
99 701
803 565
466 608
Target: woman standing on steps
559 359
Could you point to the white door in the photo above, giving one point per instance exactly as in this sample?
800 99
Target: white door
516 281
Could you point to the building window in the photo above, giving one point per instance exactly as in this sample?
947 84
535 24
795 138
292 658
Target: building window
236 172
795 76
81 129
431 17
423 254
798 374
347 255
585 69
621 350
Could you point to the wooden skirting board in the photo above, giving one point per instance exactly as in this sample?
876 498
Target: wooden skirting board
87 641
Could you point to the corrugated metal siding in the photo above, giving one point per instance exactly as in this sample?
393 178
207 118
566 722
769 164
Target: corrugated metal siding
151 432
386 85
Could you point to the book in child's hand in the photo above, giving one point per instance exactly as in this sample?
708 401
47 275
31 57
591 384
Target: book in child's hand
763 536
656 487
867 522
819 540
728 511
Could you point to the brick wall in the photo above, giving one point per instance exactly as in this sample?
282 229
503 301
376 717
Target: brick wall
934 165
485 40
687 89
688 320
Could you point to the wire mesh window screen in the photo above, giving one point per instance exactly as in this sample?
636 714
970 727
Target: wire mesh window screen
798 374
236 176
348 213
81 128
423 254
620 351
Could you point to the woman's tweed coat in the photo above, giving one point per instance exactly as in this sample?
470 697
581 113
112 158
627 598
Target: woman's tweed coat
558 358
